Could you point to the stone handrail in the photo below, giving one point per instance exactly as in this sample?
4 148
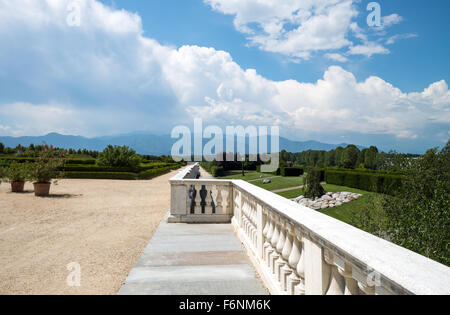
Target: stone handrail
297 250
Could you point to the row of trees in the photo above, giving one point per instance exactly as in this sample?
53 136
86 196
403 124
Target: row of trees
350 157
34 151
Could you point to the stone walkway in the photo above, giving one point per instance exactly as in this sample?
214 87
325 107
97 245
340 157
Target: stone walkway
193 259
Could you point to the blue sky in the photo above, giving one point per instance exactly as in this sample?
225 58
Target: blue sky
314 68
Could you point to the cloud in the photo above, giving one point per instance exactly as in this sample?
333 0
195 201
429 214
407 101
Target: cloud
393 39
389 20
96 80
301 28
337 57
368 49
296 28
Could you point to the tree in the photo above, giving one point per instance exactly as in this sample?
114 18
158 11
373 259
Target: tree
330 158
313 187
370 158
350 157
116 156
2 147
418 217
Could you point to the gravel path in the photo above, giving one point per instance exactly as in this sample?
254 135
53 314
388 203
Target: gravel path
103 225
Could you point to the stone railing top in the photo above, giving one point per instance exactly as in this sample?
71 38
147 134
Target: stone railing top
188 172
414 273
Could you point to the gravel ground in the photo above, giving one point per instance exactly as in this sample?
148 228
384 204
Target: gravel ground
103 225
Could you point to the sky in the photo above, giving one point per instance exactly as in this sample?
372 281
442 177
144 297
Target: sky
315 68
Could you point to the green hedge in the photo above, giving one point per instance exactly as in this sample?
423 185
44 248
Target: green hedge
217 171
100 175
292 171
380 183
157 171
110 169
148 174
31 160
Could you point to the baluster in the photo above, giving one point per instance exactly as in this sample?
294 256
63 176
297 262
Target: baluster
198 199
336 281
300 288
254 225
287 250
208 201
219 200
351 285
274 242
280 246
267 245
190 199
294 258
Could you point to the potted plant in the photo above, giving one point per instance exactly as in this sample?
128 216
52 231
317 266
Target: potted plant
46 168
17 174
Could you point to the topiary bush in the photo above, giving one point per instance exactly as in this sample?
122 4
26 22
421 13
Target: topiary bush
116 156
368 181
313 187
217 171
291 171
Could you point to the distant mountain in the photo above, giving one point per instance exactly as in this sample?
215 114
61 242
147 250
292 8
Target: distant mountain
142 143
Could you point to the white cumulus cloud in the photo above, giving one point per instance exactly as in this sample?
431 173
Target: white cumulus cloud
97 79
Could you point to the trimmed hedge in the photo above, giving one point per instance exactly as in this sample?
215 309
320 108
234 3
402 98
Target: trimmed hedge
157 172
380 183
31 160
100 175
292 171
110 169
151 173
217 171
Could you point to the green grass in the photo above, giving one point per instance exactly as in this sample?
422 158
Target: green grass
280 183
346 211
249 175
291 194
277 182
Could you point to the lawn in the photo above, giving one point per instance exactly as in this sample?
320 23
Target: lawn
277 182
343 213
249 175
346 211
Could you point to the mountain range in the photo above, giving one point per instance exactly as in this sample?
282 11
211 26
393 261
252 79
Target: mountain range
143 143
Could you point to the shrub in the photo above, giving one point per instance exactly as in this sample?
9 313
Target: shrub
217 171
100 175
368 181
313 187
119 157
81 161
17 172
46 166
417 217
2 173
291 171
158 171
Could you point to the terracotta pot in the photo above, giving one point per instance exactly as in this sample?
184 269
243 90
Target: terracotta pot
41 189
17 187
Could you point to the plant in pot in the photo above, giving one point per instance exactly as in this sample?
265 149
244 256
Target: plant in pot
17 174
46 168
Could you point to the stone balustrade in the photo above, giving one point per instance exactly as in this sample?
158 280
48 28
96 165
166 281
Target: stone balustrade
299 251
